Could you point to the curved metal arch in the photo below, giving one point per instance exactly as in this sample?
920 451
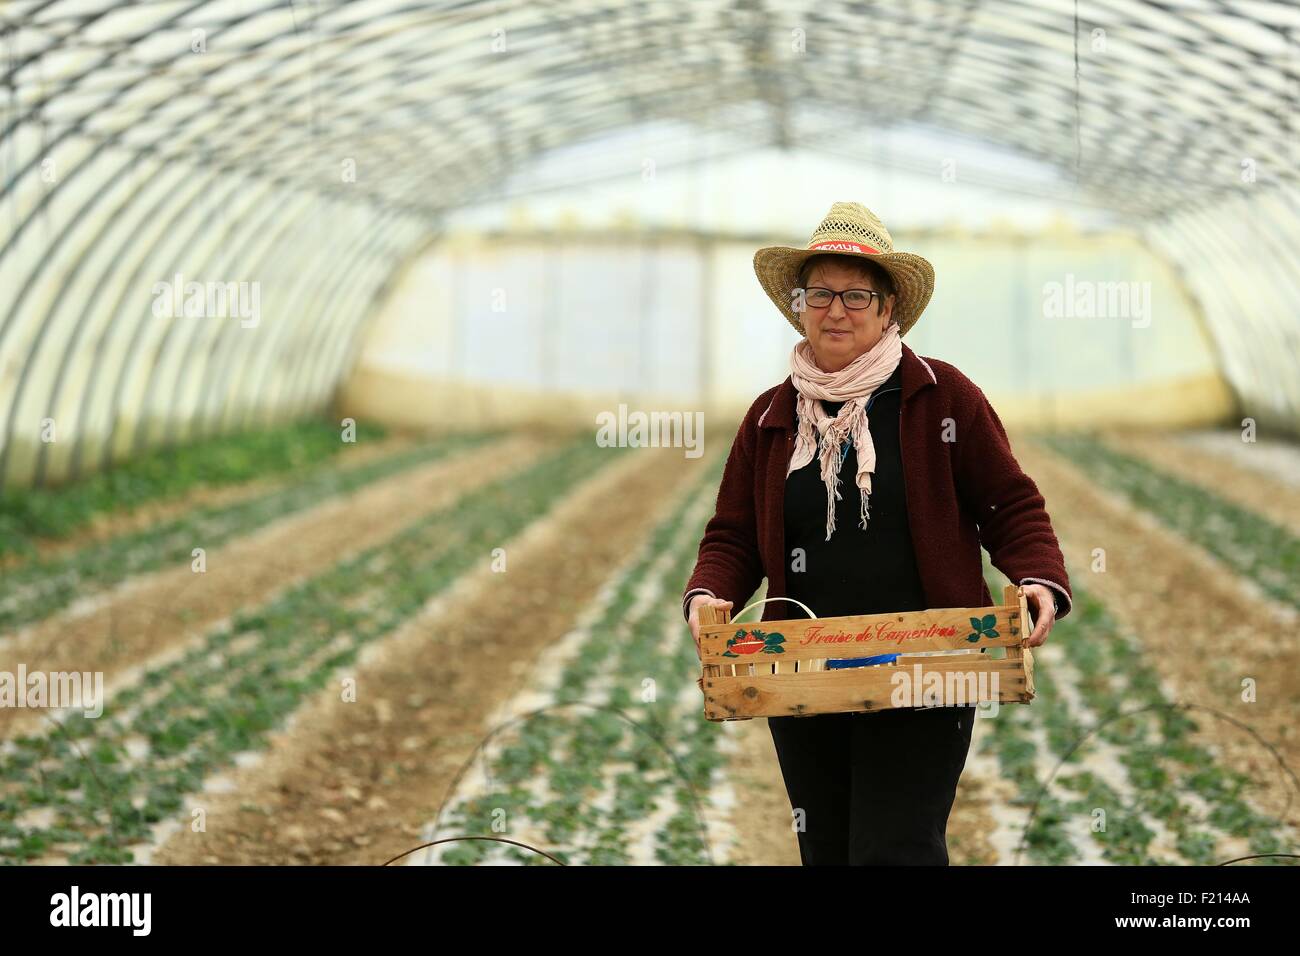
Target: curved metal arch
299 323
1233 299
351 344
89 315
76 220
102 144
307 264
1249 258
30 277
182 345
1177 154
133 353
323 376
1280 259
290 389
91 312
1216 299
352 295
349 300
198 363
168 237
200 112
44 329
216 242
343 62
232 355
896 18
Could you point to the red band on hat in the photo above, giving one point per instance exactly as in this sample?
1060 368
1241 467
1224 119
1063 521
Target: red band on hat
842 246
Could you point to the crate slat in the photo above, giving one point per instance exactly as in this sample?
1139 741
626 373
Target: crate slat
855 690
864 635
804 686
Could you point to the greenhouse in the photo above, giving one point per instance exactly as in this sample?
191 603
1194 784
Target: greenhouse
339 340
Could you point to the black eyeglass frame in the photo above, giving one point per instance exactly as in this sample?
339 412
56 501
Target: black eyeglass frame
851 308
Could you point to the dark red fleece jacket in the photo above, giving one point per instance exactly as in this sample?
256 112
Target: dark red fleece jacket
964 489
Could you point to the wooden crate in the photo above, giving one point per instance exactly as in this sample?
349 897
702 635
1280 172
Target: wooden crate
782 671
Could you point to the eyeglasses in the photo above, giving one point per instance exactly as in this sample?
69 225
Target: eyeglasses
854 299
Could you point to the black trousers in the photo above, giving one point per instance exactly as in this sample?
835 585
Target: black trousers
875 788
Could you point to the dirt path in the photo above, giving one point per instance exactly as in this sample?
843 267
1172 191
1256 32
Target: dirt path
1277 457
161 612
971 826
112 524
355 782
1202 631
767 838
982 830
1253 489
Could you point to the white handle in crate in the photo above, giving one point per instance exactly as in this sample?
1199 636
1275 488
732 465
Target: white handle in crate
765 600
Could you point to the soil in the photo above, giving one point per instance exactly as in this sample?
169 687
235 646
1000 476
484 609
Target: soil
356 782
1216 472
161 612
115 523
1200 629
765 836
970 825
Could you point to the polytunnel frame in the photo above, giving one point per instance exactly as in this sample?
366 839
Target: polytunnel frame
320 262
133 153
258 191
250 17
20 393
128 203
361 264
308 206
1270 293
131 355
1245 300
1229 262
1231 295
213 407
317 87
1216 299
78 331
348 347
199 352
973 56
1000 43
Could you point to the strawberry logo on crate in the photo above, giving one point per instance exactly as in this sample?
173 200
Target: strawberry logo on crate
753 642
983 627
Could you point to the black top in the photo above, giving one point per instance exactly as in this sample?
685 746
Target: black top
857 571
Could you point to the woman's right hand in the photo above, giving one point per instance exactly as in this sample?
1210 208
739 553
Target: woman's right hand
697 602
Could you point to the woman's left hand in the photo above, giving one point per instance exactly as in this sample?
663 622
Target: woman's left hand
1043 608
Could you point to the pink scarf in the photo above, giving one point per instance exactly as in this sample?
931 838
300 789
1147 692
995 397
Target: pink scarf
852 385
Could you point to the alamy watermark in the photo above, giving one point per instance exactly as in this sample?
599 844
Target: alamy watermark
208 300
639 429
130 910
934 688
53 690
1085 299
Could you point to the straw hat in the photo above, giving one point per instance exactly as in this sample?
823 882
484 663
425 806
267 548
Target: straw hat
849 229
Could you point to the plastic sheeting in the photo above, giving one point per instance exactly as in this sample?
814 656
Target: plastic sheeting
289 158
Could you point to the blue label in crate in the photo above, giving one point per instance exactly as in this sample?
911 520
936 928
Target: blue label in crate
861 661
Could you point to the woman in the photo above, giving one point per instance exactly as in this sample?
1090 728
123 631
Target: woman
864 483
